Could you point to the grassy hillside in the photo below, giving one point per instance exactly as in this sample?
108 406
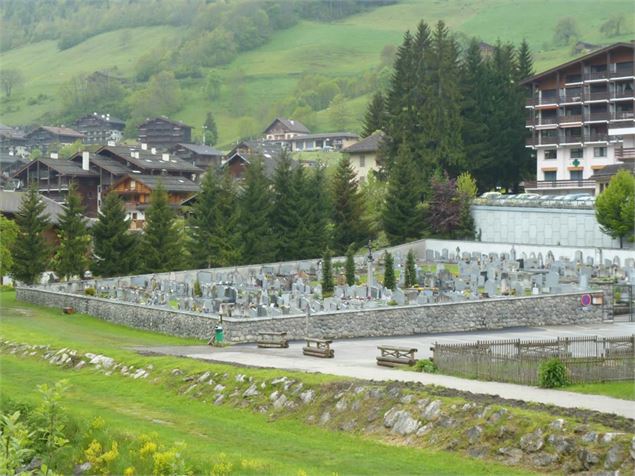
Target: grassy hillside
269 74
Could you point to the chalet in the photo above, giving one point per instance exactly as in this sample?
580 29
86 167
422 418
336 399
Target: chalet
53 177
202 156
282 129
164 132
245 152
573 111
49 138
135 191
326 141
365 154
12 141
100 128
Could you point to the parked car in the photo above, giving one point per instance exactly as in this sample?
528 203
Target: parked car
527 196
574 196
491 195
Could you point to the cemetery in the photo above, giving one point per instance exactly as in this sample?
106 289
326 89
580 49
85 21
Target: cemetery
288 297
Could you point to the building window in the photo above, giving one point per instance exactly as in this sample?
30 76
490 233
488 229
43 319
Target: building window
599 151
576 153
550 176
550 154
134 216
575 174
362 161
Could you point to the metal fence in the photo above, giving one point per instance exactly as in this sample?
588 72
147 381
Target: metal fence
588 359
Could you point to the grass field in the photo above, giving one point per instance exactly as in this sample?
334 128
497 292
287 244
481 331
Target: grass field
284 446
624 390
343 48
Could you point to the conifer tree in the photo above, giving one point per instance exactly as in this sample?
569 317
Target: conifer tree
349 226
258 237
162 246
375 118
287 221
402 217
30 251
211 132
115 251
389 271
525 61
327 274
410 278
349 267
317 210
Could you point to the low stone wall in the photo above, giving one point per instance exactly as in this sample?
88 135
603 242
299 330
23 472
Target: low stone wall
544 310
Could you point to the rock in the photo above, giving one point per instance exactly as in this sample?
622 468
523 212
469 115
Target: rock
341 405
557 424
632 449
468 406
325 418
307 396
240 378
614 457
480 452
279 403
339 395
103 361
543 459
356 406
219 388
189 389
446 422
505 431
274 395
219 399
532 442
140 373
400 421
394 392
590 437
297 388
588 458
452 444
82 468
204 377
376 393
276 381
432 410
474 434
561 445
497 415
513 455
251 391
373 414
80 364
425 429
348 425
407 399
608 437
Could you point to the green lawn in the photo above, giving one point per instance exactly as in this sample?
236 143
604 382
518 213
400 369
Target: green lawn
624 390
344 48
283 446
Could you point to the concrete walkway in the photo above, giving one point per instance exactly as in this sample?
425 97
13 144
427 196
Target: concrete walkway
356 358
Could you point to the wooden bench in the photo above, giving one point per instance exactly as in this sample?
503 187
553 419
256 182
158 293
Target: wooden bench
272 339
68 310
318 348
393 356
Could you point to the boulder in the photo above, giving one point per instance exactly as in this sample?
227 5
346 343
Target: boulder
512 455
251 391
307 396
432 410
614 457
543 459
532 442
474 434
403 423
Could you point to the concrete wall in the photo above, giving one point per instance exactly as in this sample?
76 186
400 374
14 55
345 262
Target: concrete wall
540 226
404 320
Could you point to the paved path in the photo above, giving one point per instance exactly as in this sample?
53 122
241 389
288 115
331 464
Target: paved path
356 358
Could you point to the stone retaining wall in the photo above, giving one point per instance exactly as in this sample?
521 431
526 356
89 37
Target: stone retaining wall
561 309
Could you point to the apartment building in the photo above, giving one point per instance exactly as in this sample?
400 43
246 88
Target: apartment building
574 112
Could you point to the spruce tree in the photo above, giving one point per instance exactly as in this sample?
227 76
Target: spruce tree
317 209
287 219
389 271
410 277
71 257
162 246
349 226
327 274
525 61
227 236
349 267
375 118
115 251
30 251
402 217
211 132
258 237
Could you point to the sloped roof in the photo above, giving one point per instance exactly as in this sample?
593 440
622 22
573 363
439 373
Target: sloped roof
108 164
610 170
201 149
169 182
290 124
165 119
147 160
372 143
10 204
326 135
61 166
105 118
60 131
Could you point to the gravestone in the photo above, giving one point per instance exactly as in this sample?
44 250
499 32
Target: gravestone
490 288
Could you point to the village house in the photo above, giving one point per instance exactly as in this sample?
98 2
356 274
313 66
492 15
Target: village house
282 129
162 132
135 191
365 154
573 110
244 152
49 139
100 128
202 156
12 141
625 156
326 141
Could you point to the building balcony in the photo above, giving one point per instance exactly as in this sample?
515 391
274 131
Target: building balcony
624 116
570 118
623 73
596 76
560 185
624 95
596 137
598 116
597 96
625 153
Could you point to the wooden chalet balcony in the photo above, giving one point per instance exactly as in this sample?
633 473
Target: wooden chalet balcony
570 118
624 94
560 184
549 140
596 75
596 137
623 73
623 153
571 98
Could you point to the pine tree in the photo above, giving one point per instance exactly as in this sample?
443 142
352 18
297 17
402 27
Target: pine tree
349 226
410 278
389 271
316 210
287 221
327 274
115 250
402 217
349 267
375 118
30 251
162 246
258 237
525 61
615 207
211 132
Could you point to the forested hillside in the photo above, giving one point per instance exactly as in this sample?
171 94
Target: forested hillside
247 61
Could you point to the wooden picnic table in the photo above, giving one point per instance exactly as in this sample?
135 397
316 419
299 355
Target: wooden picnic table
272 339
318 348
392 356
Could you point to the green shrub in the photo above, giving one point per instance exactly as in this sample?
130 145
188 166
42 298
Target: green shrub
89 291
552 373
426 366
